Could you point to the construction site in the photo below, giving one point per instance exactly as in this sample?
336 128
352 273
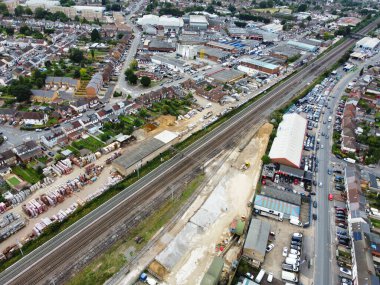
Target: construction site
212 226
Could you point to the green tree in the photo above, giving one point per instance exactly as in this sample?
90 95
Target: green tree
92 54
28 11
76 55
76 74
145 81
95 35
134 64
21 91
25 30
265 159
302 8
39 13
133 79
10 31
3 9
210 9
19 11
232 8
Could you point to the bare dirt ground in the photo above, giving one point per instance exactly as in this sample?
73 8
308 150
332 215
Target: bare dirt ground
236 188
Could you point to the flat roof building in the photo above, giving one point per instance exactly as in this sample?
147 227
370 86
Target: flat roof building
213 54
170 62
198 22
368 43
303 46
227 75
257 239
288 144
260 65
225 47
130 161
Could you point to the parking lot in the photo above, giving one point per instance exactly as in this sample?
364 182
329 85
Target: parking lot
283 233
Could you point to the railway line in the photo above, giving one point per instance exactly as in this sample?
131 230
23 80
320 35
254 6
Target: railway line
69 244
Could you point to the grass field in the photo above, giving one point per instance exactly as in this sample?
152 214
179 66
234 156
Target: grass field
106 265
89 143
14 181
270 10
28 174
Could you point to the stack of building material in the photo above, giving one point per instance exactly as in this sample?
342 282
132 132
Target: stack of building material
115 155
34 208
111 147
3 207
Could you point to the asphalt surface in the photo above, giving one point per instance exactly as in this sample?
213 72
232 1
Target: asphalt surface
121 84
325 265
67 246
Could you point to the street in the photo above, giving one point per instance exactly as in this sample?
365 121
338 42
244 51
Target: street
121 84
325 265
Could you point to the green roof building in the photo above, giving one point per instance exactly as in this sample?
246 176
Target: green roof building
212 275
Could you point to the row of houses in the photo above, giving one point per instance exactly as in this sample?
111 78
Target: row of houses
22 153
71 131
365 248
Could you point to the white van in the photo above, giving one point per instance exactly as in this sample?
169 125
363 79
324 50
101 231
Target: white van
260 276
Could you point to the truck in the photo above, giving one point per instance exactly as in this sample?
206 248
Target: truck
349 160
292 261
289 276
260 276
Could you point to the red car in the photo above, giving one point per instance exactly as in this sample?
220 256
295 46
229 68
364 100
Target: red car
331 197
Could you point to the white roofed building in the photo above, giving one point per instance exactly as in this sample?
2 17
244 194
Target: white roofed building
198 22
288 145
170 24
368 43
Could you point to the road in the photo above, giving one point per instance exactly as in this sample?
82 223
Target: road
121 84
51 257
325 265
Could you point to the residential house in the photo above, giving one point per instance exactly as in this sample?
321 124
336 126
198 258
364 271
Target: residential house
8 158
27 151
103 114
44 96
94 85
34 118
80 105
62 82
73 130
55 137
7 114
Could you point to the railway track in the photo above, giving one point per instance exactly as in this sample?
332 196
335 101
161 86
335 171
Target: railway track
66 246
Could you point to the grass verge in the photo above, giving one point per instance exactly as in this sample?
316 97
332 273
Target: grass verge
375 223
106 265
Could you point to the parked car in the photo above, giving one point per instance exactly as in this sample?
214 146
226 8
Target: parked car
285 252
315 204
270 247
314 217
330 197
345 271
270 277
